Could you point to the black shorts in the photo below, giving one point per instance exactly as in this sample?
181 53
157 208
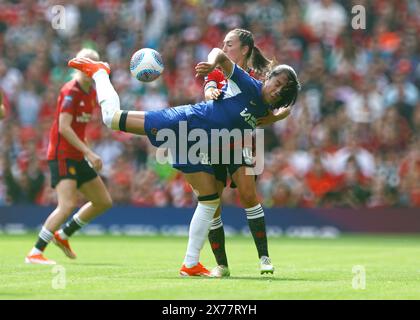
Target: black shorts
221 170
80 171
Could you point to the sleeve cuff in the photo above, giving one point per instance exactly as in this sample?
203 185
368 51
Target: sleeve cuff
233 70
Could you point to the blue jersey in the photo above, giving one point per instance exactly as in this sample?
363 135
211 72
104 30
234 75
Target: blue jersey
239 107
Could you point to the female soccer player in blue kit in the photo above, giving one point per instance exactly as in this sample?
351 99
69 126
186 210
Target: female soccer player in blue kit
244 100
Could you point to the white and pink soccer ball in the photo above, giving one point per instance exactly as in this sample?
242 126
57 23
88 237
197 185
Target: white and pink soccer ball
146 65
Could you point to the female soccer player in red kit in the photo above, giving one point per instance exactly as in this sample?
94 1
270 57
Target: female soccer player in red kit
73 166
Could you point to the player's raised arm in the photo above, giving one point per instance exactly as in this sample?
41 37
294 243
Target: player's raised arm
215 58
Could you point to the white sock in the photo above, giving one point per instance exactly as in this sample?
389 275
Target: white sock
254 212
76 218
199 229
107 96
62 234
45 235
35 251
216 223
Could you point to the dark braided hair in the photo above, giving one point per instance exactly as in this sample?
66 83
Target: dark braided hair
258 61
289 92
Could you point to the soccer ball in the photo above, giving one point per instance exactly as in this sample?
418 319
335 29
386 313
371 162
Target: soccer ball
146 65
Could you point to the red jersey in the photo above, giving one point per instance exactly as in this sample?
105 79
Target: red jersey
80 105
218 76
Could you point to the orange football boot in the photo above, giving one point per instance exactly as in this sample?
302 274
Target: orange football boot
63 245
197 271
88 66
38 259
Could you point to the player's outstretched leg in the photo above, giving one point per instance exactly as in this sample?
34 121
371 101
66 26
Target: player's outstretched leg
107 96
89 66
112 116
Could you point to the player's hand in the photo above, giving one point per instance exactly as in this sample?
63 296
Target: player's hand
204 68
214 93
281 114
270 118
248 155
94 160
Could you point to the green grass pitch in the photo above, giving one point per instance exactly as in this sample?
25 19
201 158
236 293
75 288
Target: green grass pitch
123 267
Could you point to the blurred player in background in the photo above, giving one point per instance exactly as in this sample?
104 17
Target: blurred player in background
73 166
2 107
239 46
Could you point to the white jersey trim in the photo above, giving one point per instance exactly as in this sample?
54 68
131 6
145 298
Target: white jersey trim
232 89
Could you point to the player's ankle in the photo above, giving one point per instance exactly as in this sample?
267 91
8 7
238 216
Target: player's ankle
62 234
35 251
100 73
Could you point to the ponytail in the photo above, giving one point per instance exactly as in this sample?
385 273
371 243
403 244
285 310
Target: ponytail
259 62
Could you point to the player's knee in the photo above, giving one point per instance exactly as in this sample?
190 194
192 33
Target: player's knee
248 198
109 117
104 204
211 201
109 203
110 108
116 120
68 206
218 212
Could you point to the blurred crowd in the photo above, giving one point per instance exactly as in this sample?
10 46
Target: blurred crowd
352 140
